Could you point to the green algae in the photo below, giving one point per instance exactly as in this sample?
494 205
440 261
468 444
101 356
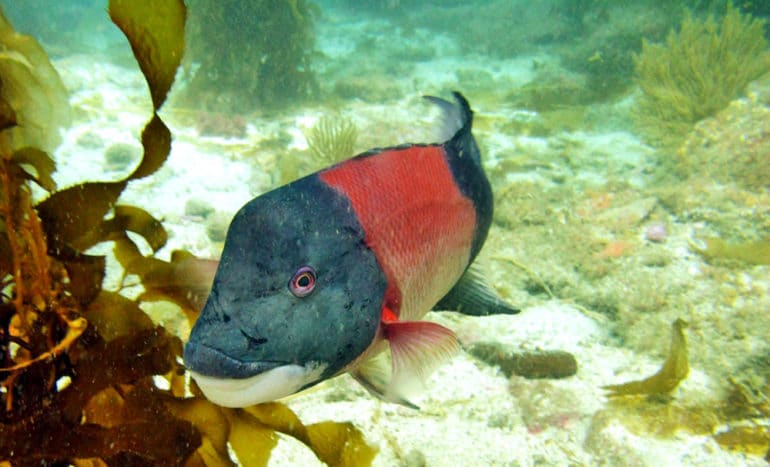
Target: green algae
33 89
332 139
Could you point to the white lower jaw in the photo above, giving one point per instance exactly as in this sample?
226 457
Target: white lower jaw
271 385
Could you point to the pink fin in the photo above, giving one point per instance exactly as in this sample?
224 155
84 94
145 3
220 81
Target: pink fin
417 348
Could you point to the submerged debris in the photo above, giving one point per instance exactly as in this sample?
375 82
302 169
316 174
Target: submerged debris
529 364
674 370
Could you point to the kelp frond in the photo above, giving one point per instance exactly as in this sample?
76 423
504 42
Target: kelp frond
674 370
79 364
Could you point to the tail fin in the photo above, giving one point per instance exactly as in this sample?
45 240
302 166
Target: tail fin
456 123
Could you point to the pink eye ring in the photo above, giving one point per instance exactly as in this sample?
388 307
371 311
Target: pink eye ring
303 282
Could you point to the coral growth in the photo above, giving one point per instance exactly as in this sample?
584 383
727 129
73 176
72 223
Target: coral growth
697 72
332 139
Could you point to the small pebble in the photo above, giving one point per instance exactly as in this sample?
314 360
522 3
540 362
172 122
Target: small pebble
216 226
120 155
198 208
656 233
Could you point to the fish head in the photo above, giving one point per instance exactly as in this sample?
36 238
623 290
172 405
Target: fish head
296 298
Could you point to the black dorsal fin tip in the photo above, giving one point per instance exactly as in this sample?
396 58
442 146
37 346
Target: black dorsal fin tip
456 117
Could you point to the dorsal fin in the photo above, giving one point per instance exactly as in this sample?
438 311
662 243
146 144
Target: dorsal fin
453 118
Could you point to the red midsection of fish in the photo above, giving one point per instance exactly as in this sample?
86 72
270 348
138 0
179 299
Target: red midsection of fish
417 222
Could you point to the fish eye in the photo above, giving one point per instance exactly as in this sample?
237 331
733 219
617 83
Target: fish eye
303 281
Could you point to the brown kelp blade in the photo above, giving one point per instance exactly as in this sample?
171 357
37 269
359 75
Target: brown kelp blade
34 100
674 370
155 29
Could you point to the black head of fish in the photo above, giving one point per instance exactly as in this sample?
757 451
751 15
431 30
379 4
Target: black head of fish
296 297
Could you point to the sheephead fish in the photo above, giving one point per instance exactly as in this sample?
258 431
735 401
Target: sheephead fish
324 275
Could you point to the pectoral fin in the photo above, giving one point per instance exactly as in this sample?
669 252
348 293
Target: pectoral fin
375 376
416 349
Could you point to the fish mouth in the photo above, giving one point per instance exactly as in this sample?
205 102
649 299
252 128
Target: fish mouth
271 385
208 361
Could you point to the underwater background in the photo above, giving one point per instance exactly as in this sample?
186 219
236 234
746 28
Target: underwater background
628 146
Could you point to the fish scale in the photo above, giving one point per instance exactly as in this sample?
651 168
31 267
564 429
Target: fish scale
419 225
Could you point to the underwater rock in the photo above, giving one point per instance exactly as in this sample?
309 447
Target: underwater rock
198 208
218 124
751 252
414 458
609 440
369 89
730 147
546 405
628 215
216 226
656 232
119 155
529 364
90 140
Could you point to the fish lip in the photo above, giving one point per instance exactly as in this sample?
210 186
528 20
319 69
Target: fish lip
271 385
209 361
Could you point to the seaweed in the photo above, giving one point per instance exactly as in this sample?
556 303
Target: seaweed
735 421
674 370
85 374
33 89
332 139
252 55
697 72
751 252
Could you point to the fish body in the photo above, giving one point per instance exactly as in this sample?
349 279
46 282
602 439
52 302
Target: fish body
319 276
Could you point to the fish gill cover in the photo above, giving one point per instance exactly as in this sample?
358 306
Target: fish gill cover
78 363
